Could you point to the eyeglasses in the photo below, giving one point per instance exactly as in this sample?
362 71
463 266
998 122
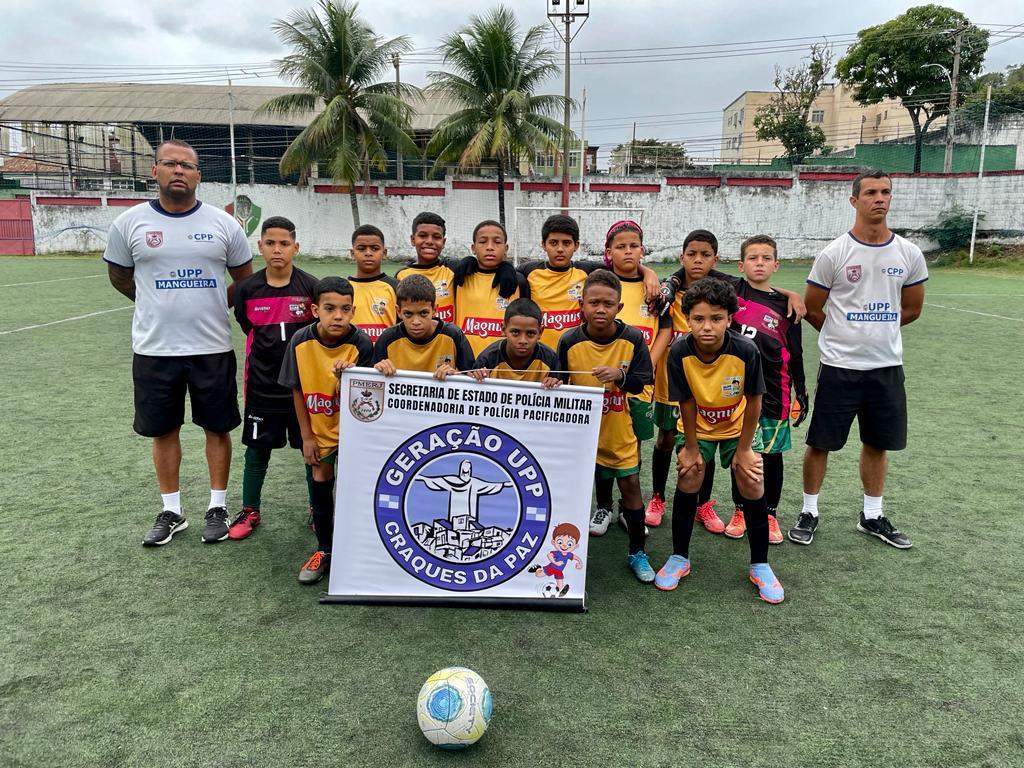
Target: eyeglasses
172 164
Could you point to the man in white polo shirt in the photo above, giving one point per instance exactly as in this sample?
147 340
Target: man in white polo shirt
864 286
169 256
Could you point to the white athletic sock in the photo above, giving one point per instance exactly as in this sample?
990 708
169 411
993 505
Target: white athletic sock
811 504
872 507
218 498
172 501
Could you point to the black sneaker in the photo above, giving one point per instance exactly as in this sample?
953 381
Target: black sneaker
167 524
802 531
884 530
216 527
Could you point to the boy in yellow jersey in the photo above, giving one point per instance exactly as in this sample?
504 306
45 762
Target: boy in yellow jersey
715 376
520 356
556 284
486 284
316 355
428 238
421 341
623 250
375 307
605 352
698 258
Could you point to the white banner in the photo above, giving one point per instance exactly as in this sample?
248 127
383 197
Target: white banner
462 492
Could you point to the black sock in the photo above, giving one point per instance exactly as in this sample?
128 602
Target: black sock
755 513
661 461
772 481
737 497
323 514
634 527
684 507
706 486
603 486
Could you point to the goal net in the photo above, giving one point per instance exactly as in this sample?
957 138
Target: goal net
524 236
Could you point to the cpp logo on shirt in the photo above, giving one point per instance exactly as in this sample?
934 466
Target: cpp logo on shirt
202 237
893 271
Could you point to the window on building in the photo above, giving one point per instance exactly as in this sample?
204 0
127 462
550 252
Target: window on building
544 160
741 117
90 184
818 116
121 184
878 121
574 159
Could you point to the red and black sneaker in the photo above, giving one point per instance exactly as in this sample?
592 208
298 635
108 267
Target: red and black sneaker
243 526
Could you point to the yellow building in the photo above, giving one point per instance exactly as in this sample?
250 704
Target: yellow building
845 122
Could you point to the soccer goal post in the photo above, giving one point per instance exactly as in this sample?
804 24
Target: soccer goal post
525 237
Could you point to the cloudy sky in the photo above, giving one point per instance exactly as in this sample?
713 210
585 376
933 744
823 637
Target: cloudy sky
193 40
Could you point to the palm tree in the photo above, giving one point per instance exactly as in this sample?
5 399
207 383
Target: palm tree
339 60
492 79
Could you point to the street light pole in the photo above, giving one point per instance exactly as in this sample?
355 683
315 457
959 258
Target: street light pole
566 13
947 160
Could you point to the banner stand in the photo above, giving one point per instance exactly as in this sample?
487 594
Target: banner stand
564 605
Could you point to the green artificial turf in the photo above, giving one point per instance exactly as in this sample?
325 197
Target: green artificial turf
196 655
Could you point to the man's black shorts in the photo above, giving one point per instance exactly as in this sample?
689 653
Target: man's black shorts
161 384
271 429
877 398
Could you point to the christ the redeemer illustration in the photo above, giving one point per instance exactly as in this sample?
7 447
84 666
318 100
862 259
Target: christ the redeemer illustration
464 494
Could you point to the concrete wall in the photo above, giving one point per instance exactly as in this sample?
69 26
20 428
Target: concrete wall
802 210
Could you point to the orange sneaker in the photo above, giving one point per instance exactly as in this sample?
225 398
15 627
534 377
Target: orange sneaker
737 526
655 511
707 517
774 532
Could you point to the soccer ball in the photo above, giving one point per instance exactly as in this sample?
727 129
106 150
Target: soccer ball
549 589
454 707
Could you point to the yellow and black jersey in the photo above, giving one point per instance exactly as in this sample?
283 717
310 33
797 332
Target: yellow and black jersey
441 275
719 388
557 292
376 308
308 367
617 445
480 308
636 313
447 344
495 360
679 329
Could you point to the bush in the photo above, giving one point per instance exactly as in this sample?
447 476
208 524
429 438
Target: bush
953 229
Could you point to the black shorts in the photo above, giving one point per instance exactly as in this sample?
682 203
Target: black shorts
161 383
271 429
877 398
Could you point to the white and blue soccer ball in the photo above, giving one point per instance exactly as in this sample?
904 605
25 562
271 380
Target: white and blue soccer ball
454 708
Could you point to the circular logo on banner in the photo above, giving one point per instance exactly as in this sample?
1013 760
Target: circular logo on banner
462 507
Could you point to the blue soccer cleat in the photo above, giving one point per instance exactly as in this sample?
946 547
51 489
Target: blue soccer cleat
768 587
641 567
674 569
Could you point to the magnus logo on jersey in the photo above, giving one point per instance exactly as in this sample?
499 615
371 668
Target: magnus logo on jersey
318 402
715 415
374 331
446 314
366 399
558 321
462 507
154 239
853 273
613 402
648 333
483 326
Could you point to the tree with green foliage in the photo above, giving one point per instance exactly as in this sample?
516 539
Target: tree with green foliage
787 117
339 61
890 61
493 80
654 155
1007 96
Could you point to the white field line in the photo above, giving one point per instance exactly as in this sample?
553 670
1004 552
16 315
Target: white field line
986 295
65 320
56 280
972 312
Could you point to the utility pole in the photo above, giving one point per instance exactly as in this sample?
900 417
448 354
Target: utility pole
632 149
583 141
981 172
947 160
231 136
400 171
567 12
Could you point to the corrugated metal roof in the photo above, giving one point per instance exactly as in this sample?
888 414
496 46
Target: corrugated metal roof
167 103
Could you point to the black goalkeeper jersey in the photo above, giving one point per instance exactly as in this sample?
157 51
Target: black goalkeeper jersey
269 317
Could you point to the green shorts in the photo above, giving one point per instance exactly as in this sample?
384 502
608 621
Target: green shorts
607 473
776 435
726 448
666 417
331 458
642 414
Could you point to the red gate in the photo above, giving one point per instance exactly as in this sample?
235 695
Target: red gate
16 237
